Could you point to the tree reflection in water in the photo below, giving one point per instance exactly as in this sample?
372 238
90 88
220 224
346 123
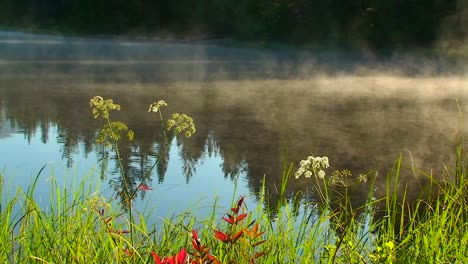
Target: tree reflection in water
247 122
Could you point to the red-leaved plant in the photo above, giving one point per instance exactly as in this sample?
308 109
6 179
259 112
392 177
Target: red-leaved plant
179 258
201 254
249 236
240 241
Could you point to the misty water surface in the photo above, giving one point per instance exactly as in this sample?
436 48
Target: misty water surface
249 106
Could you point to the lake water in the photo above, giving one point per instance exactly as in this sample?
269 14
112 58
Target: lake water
247 105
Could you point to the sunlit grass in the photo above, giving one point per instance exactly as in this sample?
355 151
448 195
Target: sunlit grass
81 226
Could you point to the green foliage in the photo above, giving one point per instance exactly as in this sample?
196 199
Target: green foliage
346 23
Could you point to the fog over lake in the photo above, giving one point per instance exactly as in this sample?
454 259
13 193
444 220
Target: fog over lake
250 107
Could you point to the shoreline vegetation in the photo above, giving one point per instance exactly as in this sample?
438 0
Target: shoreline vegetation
430 51
372 29
81 226
350 24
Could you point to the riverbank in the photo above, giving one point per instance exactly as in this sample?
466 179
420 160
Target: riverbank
81 226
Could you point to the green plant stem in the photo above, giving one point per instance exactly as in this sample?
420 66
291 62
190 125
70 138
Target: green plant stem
127 194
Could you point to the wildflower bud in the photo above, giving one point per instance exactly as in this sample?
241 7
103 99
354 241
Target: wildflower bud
321 174
155 106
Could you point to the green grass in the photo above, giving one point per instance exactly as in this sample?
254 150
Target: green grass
81 226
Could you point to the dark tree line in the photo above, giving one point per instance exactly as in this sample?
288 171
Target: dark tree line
348 23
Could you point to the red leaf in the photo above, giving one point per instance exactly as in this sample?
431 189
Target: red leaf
235 210
231 220
255 228
196 241
170 260
237 236
195 235
127 252
240 202
240 217
222 236
144 187
259 243
213 259
181 256
156 258
259 234
195 245
260 254
121 232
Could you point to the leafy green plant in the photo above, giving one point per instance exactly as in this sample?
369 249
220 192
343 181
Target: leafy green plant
111 134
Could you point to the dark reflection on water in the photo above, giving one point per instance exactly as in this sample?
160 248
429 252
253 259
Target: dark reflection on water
244 116
246 123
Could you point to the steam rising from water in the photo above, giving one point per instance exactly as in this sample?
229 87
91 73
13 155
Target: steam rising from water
358 110
454 34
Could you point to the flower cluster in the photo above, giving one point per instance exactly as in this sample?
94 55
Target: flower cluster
101 107
341 177
111 133
362 178
312 166
181 123
345 178
155 106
